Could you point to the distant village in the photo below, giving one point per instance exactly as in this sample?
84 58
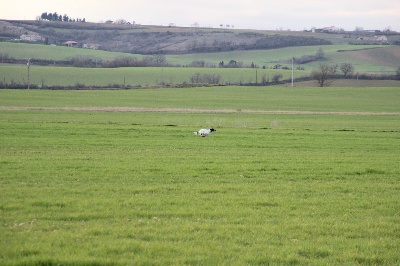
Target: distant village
38 38
359 33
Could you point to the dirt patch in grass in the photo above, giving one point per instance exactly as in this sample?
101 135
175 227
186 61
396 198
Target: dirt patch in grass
185 110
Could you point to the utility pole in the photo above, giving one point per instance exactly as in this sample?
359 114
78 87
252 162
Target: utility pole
162 77
292 71
29 66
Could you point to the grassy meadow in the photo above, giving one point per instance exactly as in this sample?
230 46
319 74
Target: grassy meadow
51 52
139 188
133 76
365 58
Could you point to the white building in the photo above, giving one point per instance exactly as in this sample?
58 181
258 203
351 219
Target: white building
31 37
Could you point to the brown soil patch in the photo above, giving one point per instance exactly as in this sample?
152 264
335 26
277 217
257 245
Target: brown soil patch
183 110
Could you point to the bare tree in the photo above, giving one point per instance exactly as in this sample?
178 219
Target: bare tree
264 79
359 29
276 77
160 59
320 54
347 68
205 78
324 74
121 21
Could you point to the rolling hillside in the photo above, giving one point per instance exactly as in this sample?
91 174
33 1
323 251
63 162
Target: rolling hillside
365 58
189 48
167 40
150 39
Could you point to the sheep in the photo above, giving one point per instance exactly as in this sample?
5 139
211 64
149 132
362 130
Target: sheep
204 132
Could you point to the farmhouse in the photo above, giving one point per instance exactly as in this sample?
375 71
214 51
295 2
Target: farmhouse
71 44
381 39
331 29
31 37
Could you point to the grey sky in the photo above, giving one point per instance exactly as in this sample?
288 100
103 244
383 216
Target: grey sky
255 14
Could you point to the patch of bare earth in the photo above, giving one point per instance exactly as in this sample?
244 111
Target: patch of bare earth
184 110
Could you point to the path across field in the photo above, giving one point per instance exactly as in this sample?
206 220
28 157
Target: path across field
184 110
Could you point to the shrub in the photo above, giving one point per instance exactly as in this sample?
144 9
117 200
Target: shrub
276 77
85 61
205 78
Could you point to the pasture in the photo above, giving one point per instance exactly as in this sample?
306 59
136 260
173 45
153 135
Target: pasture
50 52
108 186
365 58
132 76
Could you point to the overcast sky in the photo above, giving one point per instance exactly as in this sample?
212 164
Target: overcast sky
255 14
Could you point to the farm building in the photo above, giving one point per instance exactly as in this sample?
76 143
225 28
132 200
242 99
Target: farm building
71 43
31 37
382 38
331 29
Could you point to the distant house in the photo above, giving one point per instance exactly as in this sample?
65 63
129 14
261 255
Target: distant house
381 38
93 46
31 38
331 29
71 44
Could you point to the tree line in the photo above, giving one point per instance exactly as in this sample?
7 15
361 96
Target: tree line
265 42
325 74
56 17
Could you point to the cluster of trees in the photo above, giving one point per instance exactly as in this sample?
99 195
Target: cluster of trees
205 78
213 79
55 17
265 42
122 21
279 41
325 73
319 56
126 61
120 61
231 64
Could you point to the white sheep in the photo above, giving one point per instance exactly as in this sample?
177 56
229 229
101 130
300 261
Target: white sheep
204 132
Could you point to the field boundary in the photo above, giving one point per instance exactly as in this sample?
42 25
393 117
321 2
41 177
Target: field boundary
185 110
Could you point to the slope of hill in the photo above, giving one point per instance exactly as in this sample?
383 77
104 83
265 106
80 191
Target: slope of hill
168 40
185 46
384 56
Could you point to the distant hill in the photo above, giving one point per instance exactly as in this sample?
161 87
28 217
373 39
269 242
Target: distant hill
146 39
157 39
141 45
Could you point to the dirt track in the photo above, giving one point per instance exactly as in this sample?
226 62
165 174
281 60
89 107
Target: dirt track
182 110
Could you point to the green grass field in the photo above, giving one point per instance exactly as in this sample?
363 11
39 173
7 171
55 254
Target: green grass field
365 58
50 52
133 76
226 97
139 188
